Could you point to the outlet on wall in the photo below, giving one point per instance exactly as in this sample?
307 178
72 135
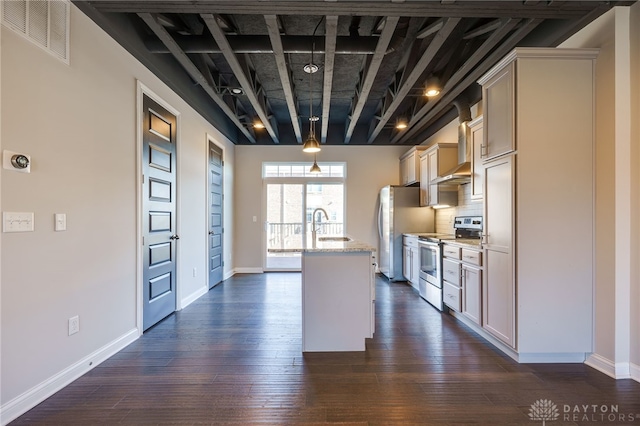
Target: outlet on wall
74 325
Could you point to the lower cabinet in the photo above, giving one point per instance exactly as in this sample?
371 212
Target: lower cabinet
472 293
451 296
411 260
498 297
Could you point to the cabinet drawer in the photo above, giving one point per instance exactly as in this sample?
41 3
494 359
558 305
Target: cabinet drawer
472 256
451 251
451 271
451 296
410 241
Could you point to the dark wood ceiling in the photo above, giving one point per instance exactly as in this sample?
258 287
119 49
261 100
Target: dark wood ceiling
374 59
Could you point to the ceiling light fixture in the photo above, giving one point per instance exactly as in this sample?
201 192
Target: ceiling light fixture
401 124
311 144
315 168
258 125
432 88
236 90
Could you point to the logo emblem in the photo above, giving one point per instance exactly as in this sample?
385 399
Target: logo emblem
544 409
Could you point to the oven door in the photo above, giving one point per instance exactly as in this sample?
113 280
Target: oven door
430 263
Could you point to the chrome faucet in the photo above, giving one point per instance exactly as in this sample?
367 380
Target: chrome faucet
313 222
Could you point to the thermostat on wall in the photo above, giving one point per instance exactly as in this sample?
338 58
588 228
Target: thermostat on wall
16 161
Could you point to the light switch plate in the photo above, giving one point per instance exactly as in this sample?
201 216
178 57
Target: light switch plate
17 222
60 221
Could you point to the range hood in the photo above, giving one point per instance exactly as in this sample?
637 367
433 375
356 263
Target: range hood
461 173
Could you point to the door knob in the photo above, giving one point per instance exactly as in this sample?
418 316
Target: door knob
211 232
174 237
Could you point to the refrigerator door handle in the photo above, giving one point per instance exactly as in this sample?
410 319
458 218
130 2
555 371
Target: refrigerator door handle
380 219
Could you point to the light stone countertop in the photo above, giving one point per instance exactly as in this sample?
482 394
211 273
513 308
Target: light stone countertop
329 247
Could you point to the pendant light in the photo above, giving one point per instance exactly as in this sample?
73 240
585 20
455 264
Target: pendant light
315 168
311 144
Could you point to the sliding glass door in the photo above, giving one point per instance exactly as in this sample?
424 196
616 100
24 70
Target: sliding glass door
289 212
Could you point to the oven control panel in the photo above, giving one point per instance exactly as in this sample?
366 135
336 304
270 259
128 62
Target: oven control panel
468 222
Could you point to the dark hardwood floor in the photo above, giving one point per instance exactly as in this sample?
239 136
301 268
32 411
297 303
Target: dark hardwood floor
234 357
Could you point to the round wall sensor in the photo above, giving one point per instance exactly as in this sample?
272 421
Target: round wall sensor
20 161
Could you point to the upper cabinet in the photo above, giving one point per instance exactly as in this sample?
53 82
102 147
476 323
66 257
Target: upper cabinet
410 166
438 158
477 168
499 102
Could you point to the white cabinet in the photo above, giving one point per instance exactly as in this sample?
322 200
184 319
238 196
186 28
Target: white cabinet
498 296
410 166
472 293
439 158
451 289
477 167
538 120
498 96
462 276
411 260
424 180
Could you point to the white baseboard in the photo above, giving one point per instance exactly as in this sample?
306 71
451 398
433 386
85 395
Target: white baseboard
34 396
193 297
601 364
635 372
617 370
248 271
556 358
229 274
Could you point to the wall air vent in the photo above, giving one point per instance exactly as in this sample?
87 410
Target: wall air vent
43 22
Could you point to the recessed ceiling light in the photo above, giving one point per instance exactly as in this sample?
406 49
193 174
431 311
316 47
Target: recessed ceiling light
400 125
258 125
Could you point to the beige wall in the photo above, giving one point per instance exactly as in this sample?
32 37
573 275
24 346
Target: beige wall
617 286
369 168
78 123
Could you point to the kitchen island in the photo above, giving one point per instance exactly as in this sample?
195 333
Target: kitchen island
338 295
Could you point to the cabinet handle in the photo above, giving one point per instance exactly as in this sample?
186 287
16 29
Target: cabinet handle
483 150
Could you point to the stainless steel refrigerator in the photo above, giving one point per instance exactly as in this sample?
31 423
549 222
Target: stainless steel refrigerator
399 212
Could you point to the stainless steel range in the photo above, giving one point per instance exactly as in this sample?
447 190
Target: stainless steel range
430 286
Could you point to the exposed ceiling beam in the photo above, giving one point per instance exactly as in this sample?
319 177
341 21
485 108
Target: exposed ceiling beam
345 45
459 9
238 71
283 71
431 29
486 47
372 71
446 100
487 28
193 71
331 34
431 51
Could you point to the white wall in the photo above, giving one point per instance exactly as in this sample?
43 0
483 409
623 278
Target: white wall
617 285
369 168
78 123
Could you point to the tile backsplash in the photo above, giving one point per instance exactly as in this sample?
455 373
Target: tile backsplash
466 207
